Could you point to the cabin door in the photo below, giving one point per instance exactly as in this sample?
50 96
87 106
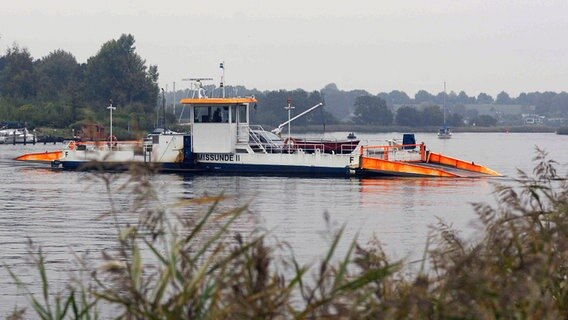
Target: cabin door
242 124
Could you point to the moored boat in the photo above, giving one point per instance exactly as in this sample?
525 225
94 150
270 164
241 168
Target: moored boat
444 132
17 136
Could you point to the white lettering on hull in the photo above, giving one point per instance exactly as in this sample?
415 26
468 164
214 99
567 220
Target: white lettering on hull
218 157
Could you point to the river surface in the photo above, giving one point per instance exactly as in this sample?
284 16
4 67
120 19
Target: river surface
59 210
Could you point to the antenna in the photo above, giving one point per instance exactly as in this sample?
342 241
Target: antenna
222 66
198 85
197 79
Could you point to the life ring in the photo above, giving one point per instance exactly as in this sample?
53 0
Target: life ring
112 141
290 142
71 145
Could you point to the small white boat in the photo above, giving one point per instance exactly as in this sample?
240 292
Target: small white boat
444 133
16 136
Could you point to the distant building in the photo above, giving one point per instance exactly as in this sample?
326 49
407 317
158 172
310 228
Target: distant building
533 119
92 132
557 121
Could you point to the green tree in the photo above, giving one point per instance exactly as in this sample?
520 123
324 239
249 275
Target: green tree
58 76
17 79
484 98
408 116
455 120
423 96
432 116
339 102
503 98
372 110
523 99
271 108
485 121
463 98
399 97
117 72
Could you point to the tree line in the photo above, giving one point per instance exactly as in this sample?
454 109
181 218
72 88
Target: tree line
546 103
397 108
363 109
57 91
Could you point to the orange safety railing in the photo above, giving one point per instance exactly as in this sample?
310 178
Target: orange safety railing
386 149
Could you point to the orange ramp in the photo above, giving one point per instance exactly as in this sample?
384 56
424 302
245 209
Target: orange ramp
41 156
437 158
436 165
399 168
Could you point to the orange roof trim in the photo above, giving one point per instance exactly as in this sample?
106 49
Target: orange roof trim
207 101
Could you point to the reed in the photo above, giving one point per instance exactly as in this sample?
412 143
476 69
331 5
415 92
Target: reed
196 266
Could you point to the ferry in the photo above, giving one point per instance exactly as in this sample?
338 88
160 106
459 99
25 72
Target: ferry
221 140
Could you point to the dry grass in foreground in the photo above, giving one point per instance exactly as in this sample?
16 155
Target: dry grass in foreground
195 268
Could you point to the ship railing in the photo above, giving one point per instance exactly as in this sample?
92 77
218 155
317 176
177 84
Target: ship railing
349 147
395 152
327 145
308 146
254 139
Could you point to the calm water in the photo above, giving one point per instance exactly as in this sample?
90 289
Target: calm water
59 210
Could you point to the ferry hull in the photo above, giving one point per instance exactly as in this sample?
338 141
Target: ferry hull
215 168
124 166
263 169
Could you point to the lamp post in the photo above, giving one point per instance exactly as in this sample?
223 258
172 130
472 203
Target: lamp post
110 108
289 108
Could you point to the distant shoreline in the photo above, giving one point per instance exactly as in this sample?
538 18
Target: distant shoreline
382 129
66 134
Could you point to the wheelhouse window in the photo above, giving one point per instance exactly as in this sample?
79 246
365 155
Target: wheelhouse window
211 114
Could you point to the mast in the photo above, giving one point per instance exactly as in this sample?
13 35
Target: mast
444 105
222 66
164 109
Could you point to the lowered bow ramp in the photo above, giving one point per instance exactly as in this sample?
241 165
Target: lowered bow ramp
40 157
440 159
369 165
436 165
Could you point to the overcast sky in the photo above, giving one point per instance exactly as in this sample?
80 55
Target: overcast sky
376 45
